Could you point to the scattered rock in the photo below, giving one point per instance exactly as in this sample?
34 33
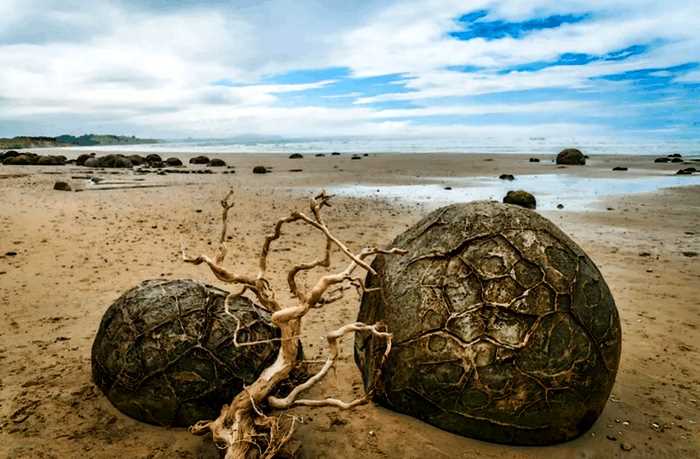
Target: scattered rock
199 160
690 254
686 171
216 162
296 170
506 177
356 157
534 160
173 162
520 198
675 155
153 158
25 159
8 154
11 253
62 186
319 155
51 160
448 188
116 161
260 170
296 156
662 160
619 168
82 158
365 154
560 206
572 157
676 160
624 446
335 153
644 254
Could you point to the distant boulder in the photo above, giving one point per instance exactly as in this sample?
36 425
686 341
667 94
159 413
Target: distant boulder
173 162
675 155
335 153
520 198
153 158
51 161
356 157
296 156
91 162
676 159
619 168
534 160
662 160
110 161
82 158
62 186
319 155
506 177
8 154
572 157
216 162
260 170
199 160
137 160
25 159
686 171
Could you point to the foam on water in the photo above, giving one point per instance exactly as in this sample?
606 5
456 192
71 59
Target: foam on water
575 193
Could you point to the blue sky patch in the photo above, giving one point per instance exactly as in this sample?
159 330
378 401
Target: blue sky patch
476 27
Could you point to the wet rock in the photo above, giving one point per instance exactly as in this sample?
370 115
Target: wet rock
619 168
335 153
199 160
520 198
62 186
662 160
506 177
296 156
686 171
173 162
534 160
216 162
572 157
260 170
82 158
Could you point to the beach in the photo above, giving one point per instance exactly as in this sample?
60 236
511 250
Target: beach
66 256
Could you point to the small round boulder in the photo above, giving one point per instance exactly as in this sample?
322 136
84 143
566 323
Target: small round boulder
164 352
520 198
572 157
504 329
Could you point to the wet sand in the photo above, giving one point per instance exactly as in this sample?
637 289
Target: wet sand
75 253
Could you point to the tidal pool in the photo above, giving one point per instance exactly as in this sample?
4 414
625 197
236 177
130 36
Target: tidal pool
575 193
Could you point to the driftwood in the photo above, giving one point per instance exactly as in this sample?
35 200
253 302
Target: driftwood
242 429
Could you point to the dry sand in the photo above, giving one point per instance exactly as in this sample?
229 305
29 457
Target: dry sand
77 252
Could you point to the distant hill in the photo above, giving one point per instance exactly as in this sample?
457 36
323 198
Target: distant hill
70 140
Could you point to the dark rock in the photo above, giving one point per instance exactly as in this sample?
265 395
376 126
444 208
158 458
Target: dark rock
8 154
51 161
690 254
153 158
296 156
506 177
676 160
520 198
260 170
82 158
173 162
356 157
319 155
534 160
619 168
111 161
572 157
296 170
475 314
11 253
136 160
687 171
662 160
560 206
216 162
25 159
675 155
199 160
448 188
163 352
365 154
62 186
90 162
335 153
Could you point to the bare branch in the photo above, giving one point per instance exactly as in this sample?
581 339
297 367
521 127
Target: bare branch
291 275
333 341
220 272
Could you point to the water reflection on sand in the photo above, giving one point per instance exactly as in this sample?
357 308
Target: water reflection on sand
575 193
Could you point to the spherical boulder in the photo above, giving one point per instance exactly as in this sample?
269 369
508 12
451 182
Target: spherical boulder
164 352
199 160
217 162
520 198
504 329
173 162
571 156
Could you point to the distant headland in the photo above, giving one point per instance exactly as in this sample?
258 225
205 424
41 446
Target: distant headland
85 140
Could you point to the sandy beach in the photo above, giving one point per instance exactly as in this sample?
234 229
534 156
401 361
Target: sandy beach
66 256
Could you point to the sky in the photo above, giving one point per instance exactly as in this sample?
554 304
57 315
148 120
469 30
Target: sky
377 69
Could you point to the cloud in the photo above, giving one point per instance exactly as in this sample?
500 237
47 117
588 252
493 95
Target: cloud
371 68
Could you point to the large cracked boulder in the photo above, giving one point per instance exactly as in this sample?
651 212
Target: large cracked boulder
164 352
504 329
571 157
